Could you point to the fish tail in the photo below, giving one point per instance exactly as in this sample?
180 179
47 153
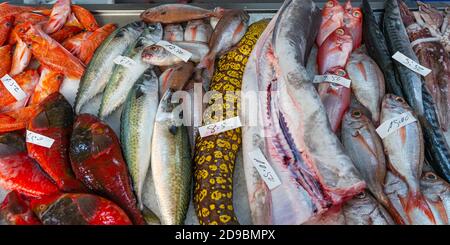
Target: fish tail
417 201
208 63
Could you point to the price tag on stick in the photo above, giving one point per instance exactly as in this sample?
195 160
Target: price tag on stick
13 88
264 169
333 79
219 127
394 124
38 139
175 50
411 64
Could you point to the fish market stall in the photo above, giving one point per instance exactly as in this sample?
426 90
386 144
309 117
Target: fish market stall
223 113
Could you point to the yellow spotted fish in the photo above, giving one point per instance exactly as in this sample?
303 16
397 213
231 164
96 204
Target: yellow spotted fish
215 155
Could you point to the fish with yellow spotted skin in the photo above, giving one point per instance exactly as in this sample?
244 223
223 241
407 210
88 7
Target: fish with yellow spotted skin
215 155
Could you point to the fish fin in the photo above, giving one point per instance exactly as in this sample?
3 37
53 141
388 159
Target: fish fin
417 200
208 63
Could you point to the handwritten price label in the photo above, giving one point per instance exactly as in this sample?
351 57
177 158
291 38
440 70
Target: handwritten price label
220 127
175 50
264 169
38 139
13 88
411 64
394 124
124 61
333 79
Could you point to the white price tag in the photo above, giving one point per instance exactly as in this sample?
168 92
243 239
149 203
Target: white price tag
332 79
174 49
394 124
38 139
124 61
264 169
411 64
14 89
219 127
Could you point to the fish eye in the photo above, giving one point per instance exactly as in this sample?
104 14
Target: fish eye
356 114
330 4
356 13
361 195
154 48
341 72
400 99
430 176
340 31
163 12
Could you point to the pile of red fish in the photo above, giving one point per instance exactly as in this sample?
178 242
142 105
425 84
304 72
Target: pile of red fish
43 51
340 33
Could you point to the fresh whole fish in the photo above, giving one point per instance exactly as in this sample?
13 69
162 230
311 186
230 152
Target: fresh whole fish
332 19
14 210
78 209
363 209
302 111
404 149
19 172
437 150
50 53
171 163
437 193
54 120
433 56
398 41
98 162
367 82
335 98
102 64
364 146
376 47
177 13
228 32
159 56
353 23
173 33
335 50
138 117
215 155
73 44
197 31
123 77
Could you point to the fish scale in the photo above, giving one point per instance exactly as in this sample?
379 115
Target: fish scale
215 155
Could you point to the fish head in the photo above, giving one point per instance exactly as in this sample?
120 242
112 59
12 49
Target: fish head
15 210
39 206
340 39
360 200
154 54
156 31
154 13
355 119
395 104
56 112
431 180
91 138
11 143
331 8
7 22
